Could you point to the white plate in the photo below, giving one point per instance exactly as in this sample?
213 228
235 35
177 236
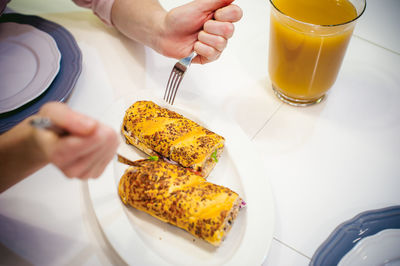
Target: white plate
141 239
29 61
382 248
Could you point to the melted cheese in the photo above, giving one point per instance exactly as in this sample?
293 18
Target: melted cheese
173 194
153 128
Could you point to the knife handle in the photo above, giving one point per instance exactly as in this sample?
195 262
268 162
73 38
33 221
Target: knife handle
46 123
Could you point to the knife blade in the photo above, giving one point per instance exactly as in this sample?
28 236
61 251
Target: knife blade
125 160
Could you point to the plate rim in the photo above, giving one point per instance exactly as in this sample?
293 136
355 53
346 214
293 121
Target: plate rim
346 235
63 83
32 90
266 196
365 244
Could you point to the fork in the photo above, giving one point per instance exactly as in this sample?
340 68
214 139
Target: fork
176 76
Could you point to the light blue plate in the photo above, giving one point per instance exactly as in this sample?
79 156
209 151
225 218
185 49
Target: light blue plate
349 233
63 83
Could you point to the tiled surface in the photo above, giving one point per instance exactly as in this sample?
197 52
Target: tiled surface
326 163
279 254
380 24
46 219
331 161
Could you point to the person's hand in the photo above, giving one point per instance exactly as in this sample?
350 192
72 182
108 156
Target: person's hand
202 25
88 148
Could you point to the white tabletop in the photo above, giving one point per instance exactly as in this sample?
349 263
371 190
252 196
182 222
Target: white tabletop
325 163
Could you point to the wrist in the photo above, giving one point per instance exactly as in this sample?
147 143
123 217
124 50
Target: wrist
20 154
139 20
159 32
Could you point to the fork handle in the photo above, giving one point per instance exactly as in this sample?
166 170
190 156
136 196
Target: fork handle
188 60
193 55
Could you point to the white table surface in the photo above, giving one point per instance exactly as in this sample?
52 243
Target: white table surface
325 163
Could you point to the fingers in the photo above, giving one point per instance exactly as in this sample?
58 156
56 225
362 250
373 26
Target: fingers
88 148
224 29
96 151
90 165
63 116
82 167
68 149
101 165
212 40
77 155
216 41
211 5
202 25
206 53
231 13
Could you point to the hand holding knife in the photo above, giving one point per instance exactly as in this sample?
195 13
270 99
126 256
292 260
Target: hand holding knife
47 124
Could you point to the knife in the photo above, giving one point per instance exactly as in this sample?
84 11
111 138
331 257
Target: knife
47 124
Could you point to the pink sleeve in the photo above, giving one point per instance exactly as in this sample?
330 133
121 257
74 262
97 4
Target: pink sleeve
102 8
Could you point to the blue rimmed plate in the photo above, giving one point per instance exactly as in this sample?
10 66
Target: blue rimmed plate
382 248
346 236
21 83
3 4
63 83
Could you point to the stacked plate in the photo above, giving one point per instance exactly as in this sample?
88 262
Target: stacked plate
40 61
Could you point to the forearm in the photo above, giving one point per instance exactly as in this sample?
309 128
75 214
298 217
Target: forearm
140 20
20 155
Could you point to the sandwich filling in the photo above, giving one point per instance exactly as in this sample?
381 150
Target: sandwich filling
159 131
175 195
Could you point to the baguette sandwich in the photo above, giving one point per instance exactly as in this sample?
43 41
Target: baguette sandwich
158 131
175 195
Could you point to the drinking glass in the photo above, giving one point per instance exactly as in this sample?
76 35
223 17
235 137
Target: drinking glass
305 58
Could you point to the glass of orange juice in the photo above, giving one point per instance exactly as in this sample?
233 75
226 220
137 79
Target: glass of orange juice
308 40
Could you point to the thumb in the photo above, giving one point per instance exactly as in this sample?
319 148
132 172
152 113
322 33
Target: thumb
64 117
211 5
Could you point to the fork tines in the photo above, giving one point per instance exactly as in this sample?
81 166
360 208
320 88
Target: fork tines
176 76
174 80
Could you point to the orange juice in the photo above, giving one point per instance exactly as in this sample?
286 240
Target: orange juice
308 40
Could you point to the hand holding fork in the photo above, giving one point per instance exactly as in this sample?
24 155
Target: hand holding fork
206 33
